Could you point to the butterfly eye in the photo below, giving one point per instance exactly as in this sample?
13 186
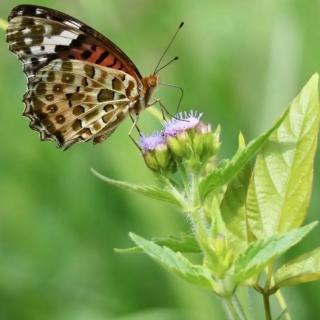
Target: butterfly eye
153 81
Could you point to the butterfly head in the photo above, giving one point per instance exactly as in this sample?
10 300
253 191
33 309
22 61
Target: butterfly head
151 81
149 84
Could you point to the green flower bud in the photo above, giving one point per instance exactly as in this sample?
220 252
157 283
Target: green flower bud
162 155
191 140
156 154
181 145
151 160
176 146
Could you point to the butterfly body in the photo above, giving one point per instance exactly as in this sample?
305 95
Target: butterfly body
80 84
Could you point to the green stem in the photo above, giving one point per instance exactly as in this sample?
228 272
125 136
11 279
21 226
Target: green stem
266 304
233 308
266 292
269 277
232 305
196 210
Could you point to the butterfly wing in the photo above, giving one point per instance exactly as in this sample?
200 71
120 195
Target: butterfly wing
38 35
73 101
80 84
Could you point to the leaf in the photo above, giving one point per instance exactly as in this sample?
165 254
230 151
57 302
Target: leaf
233 210
241 141
183 243
305 268
175 262
228 170
260 253
154 192
280 190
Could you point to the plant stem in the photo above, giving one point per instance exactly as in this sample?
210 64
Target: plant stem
233 308
266 303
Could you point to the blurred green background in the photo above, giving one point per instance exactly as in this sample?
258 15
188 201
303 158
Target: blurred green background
240 63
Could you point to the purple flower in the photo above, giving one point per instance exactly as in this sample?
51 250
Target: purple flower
182 122
149 143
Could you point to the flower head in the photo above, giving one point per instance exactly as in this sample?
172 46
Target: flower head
156 153
190 140
182 122
185 140
148 143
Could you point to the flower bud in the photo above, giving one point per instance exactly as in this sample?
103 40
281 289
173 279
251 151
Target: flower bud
151 160
190 139
156 154
180 144
185 140
162 155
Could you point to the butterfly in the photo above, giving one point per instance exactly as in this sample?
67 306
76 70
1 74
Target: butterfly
80 84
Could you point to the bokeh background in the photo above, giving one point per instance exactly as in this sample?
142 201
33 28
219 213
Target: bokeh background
240 63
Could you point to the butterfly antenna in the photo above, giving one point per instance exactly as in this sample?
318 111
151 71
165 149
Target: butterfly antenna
168 46
174 59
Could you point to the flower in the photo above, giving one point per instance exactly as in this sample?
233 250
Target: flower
156 153
182 122
190 140
185 140
148 143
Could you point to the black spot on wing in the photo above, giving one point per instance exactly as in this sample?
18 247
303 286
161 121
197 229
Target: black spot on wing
102 57
86 54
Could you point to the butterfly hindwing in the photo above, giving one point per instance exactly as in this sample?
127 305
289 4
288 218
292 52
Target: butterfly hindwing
38 35
72 101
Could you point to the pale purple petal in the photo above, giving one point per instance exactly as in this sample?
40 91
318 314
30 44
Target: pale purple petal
148 143
182 122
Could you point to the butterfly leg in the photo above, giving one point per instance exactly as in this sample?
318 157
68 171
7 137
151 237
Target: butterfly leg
163 115
178 88
134 125
162 108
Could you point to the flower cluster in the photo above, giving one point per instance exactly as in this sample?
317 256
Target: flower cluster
185 139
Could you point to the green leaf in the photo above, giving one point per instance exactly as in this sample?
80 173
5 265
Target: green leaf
233 210
241 141
175 262
279 192
305 268
182 243
154 192
262 252
228 170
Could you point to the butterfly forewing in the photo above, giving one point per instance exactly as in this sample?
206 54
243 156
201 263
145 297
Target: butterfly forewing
72 101
80 84
39 35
